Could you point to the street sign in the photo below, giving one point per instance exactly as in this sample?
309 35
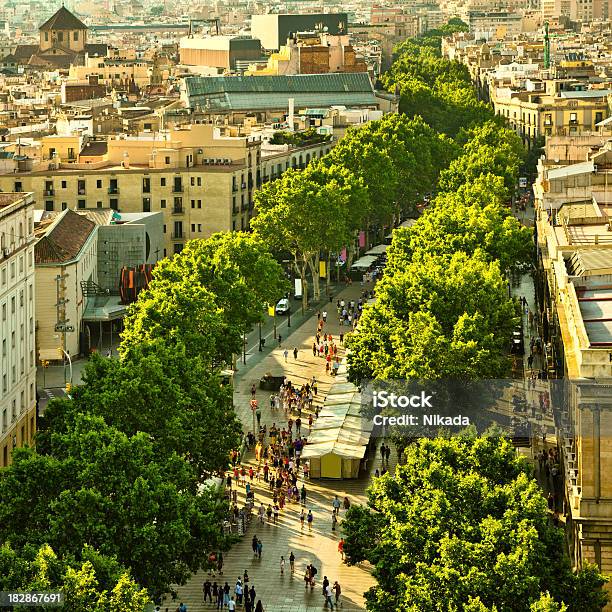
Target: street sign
522 182
64 328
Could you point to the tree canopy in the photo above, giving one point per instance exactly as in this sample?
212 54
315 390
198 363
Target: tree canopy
463 526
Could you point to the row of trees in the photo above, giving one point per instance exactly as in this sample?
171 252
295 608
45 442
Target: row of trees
462 525
111 505
442 305
374 175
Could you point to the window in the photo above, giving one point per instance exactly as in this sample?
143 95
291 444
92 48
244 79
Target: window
63 184
199 181
598 117
48 204
71 154
199 203
573 117
81 187
60 37
167 160
200 227
163 182
99 204
80 203
64 206
192 203
114 203
46 40
99 184
164 229
162 204
193 228
192 181
178 248
146 204
75 35
18 187
146 185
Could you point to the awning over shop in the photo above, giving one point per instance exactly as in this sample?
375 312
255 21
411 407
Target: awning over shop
104 308
364 262
379 249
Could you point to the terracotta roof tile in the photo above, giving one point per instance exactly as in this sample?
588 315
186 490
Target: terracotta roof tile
64 240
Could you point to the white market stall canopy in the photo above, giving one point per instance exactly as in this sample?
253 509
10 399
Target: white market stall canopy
339 438
379 249
364 262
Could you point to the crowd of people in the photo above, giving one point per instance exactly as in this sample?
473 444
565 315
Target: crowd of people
279 467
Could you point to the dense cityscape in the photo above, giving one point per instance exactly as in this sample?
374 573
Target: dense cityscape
306 305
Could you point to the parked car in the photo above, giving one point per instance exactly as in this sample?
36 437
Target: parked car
282 307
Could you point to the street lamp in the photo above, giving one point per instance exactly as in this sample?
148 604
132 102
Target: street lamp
64 353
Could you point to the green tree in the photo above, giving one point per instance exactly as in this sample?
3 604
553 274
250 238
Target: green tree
462 525
299 214
41 569
101 488
162 391
207 297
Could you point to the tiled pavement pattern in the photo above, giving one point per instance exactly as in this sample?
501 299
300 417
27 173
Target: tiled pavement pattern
287 593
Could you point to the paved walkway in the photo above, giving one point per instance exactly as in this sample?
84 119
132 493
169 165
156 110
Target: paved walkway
287 593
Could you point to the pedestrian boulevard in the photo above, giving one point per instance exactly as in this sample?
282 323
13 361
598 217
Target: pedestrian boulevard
287 593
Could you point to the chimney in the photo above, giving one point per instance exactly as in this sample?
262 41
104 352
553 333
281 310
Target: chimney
126 160
291 113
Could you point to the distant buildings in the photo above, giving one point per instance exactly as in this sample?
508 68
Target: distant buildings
273 30
63 41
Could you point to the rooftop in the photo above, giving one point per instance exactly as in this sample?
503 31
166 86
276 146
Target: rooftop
63 19
6 199
64 238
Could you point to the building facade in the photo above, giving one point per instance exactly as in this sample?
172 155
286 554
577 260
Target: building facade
17 325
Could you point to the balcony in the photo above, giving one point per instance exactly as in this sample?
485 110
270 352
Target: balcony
234 188
177 189
49 192
81 191
235 210
178 210
244 185
177 235
113 190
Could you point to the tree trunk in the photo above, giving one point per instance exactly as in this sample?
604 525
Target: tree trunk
328 275
313 264
303 267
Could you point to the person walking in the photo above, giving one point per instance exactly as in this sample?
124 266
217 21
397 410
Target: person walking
324 316
282 565
336 504
337 591
220 564
206 587
231 604
259 549
220 598
285 354
303 495
302 518
334 520
295 353
226 595
298 426
261 512
341 548
347 503
269 512
292 562
238 590
259 607
309 518
254 545
328 597
276 514
252 593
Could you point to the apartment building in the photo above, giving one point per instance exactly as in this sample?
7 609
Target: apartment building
201 181
537 111
573 207
17 323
